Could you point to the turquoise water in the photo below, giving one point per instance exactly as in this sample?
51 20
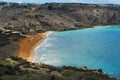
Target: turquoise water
97 47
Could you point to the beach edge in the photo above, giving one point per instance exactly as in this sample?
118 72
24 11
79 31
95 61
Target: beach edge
27 45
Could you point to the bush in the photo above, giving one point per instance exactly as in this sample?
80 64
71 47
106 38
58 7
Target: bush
68 73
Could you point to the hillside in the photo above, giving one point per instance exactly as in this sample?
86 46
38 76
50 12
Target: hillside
31 18
21 19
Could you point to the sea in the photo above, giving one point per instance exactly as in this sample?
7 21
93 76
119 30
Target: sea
96 48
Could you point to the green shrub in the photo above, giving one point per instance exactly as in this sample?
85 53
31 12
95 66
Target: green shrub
68 73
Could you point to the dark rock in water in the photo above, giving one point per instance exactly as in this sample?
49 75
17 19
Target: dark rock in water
100 71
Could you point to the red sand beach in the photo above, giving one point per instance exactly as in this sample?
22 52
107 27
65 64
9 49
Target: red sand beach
28 44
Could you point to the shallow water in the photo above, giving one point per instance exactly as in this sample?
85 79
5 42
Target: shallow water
97 47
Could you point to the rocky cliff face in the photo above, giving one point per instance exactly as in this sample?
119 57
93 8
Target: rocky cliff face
31 18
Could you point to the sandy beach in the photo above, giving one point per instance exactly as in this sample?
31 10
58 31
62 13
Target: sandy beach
28 44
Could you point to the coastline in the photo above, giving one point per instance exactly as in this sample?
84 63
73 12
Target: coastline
28 44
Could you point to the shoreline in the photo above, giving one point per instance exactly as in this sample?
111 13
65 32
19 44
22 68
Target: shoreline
28 45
